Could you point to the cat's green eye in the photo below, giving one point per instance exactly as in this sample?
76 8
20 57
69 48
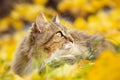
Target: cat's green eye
59 34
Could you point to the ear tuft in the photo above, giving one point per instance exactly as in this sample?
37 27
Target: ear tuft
56 19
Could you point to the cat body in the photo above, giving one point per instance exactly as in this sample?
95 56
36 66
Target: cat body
51 42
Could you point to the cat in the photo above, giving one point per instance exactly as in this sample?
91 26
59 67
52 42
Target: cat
51 43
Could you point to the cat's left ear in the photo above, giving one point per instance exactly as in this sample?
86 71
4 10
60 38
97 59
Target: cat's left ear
56 19
40 20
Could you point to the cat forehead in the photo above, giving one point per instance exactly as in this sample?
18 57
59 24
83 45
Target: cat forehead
57 26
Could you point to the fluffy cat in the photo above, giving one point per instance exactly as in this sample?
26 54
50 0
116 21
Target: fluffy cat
53 44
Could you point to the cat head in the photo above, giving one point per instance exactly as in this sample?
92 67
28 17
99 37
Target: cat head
49 34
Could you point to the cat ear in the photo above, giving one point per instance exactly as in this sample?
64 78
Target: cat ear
35 28
56 19
40 20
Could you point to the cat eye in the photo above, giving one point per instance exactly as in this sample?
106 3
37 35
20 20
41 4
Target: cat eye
59 34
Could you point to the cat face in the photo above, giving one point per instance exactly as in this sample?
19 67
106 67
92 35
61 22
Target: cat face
49 35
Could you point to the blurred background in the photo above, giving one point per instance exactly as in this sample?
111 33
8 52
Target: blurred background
91 16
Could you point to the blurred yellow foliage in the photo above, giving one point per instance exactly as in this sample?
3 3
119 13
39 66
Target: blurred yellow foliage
106 67
86 5
80 24
28 11
41 2
4 24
